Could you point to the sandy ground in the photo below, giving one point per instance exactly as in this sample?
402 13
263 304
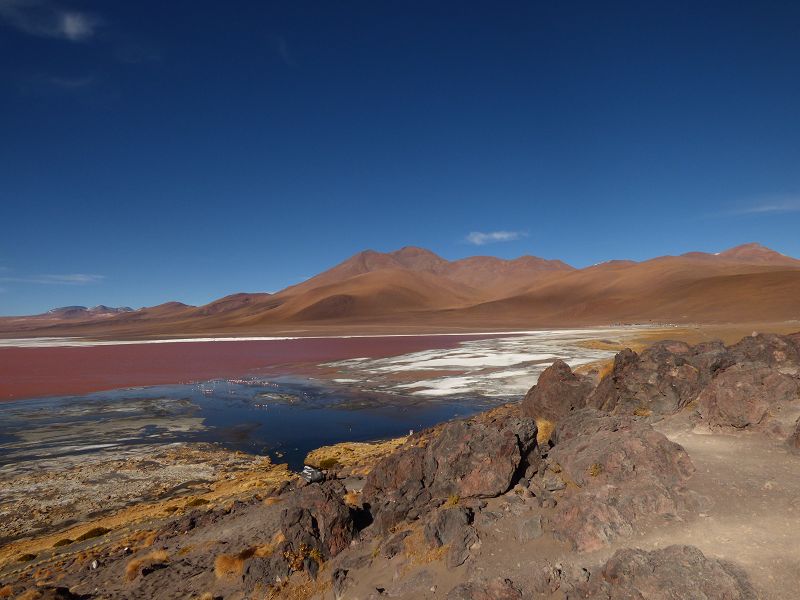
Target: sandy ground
751 508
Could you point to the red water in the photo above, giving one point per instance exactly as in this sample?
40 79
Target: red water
34 372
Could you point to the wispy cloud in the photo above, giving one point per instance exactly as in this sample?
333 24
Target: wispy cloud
481 238
47 19
282 49
67 279
70 83
766 206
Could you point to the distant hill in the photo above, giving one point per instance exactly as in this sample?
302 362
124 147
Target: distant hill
415 288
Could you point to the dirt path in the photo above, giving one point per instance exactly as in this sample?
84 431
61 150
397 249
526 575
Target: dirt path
751 511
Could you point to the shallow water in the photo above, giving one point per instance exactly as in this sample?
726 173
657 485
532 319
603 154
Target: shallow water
283 417
375 396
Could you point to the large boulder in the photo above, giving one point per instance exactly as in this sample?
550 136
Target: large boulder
665 574
661 380
480 457
316 525
743 396
558 392
618 472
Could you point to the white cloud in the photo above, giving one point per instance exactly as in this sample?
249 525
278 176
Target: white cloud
67 279
46 19
480 238
770 205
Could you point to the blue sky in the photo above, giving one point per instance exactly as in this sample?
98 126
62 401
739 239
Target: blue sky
184 150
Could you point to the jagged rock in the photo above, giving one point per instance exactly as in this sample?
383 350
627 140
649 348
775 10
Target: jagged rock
446 524
498 589
340 583
481 457
741 396
764 350
660 381
665 574
558 392
316 524
452 527
394 545
317 516
619 472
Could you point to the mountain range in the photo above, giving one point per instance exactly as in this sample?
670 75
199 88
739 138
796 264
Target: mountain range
413 289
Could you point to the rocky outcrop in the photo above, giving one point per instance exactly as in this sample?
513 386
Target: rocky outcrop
743 396
768 350
479 457
316 526
617 472
662 380
672 572
558 392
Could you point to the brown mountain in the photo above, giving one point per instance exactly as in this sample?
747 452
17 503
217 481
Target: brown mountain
413 288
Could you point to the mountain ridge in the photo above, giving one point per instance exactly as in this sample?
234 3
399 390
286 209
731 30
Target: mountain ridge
415 286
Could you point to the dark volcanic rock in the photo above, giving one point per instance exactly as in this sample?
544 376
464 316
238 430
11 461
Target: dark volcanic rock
665 574
743 397
765 350
661 380
452 527
499 589
475 458
317 516
317 525
558 392
619 472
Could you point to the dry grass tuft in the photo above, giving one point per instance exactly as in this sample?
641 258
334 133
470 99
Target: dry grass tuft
6 591
27 557
232 565
452 501
642 411
419 552
358 455
272 500
353 499
596 469
30 594
195 502
135 565
544 429
92 533
605 369
62 542
300 590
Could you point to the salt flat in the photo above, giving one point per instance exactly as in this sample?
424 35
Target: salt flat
492 367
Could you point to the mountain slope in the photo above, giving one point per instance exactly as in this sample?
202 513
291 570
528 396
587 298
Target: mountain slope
413 287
